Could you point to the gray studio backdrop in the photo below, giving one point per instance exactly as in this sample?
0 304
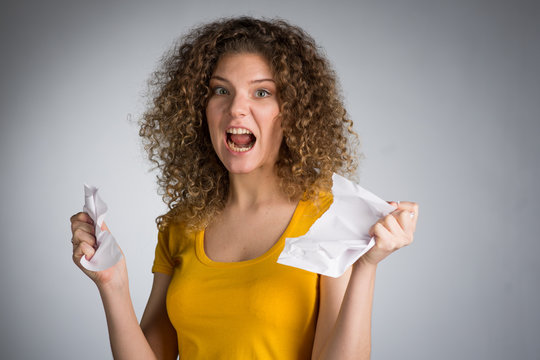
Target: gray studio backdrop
445 96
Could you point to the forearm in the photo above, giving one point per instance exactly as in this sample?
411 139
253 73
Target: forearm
351 336
125 334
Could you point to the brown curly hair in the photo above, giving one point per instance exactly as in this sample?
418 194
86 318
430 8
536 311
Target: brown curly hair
317 132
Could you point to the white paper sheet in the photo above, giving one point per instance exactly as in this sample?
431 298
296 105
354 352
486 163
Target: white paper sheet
341 235
107 252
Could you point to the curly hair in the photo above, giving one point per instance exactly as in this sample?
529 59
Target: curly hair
317 132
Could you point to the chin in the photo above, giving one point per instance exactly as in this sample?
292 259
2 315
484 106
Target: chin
239 168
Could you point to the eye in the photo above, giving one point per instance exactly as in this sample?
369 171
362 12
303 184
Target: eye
220 90
261 93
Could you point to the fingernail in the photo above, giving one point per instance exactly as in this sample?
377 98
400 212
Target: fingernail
412 215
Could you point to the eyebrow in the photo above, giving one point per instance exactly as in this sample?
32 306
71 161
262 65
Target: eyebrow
217 77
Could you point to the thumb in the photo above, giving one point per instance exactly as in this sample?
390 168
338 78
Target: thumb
394 204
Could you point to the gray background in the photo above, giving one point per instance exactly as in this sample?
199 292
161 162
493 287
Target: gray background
445 96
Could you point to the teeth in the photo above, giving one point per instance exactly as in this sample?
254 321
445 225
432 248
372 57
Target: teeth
233 147
238 131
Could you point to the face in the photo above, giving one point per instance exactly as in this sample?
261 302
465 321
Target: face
242 113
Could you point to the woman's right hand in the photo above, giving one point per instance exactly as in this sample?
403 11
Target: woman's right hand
84 240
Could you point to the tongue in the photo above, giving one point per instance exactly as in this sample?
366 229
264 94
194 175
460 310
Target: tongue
241 139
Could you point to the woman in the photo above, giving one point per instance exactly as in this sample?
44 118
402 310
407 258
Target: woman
246 127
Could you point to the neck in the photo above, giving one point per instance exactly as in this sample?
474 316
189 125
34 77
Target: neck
254 189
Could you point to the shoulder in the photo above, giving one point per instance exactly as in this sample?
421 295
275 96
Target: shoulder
176 235
177 228
308 211
318 204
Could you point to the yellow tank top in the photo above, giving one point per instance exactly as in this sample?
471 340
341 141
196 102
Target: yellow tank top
254 309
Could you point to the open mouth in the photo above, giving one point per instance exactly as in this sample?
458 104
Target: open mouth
240 139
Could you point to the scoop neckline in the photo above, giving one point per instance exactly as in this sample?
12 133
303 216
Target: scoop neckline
278 245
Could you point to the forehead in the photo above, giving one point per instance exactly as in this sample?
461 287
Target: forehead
243 65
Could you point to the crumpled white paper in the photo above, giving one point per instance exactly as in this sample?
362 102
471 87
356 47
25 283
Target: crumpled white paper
107 252
341 235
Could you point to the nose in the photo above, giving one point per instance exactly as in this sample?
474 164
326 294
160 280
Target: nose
239 106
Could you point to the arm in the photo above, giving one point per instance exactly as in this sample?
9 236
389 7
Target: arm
155 323
126 336
128 341
155 338
344 322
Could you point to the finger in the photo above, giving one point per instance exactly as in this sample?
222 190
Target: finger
77 224
81 236
405 219
397 238
104 227
82 216
408 205
378 230
391 223
413 208
83 249
384 239
393 203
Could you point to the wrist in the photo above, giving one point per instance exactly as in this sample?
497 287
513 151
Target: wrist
363 264
113 288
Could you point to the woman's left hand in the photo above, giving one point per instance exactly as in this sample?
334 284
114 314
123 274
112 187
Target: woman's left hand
392 232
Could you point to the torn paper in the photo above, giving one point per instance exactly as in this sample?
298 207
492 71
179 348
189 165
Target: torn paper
107 252
341 235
